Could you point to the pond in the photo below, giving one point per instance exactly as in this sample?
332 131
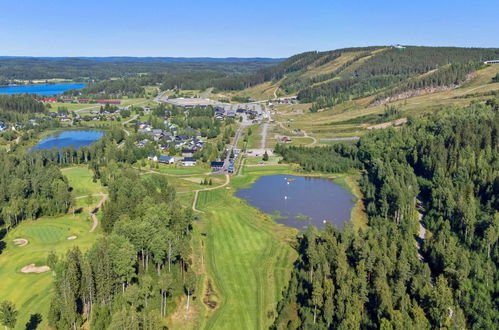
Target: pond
69 138
46 89
298 201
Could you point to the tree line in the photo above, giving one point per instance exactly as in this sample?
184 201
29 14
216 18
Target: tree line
378 278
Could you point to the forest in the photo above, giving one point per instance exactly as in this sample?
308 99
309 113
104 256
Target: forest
442 166
88 69
131 277
391 72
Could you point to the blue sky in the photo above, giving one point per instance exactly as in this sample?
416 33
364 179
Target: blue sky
270 28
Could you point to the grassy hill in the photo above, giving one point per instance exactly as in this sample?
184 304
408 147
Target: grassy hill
348 91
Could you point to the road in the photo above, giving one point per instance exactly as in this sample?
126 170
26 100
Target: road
233 146
264 135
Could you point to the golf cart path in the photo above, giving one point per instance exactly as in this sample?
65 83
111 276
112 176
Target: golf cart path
196 192
94 217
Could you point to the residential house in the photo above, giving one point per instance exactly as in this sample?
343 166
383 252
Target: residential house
217 166
189 161
168 160
188 152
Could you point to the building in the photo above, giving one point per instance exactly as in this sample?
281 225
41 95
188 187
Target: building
188 152
189 161
166 159
217 166
154 158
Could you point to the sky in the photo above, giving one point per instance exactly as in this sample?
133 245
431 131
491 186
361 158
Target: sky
236 28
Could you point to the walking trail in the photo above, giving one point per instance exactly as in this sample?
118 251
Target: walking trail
196 192
94 217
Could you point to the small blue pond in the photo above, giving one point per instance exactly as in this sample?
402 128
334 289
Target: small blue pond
299 201
69 138
47 89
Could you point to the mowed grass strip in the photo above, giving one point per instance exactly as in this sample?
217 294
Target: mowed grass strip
80 178
248 260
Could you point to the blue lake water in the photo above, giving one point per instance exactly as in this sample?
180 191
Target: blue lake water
48 89
69 138
299 201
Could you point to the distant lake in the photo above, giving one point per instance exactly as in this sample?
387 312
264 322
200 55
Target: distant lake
48 89
298 201
69 138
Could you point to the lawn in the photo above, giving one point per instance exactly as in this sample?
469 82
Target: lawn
80 178
247 258
32 292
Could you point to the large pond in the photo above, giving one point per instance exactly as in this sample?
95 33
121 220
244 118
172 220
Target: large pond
299 201
48 89
69 138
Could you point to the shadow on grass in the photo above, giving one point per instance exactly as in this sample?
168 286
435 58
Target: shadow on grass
34 321
3 232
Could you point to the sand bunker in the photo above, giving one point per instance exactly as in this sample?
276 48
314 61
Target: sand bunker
20 241
72 237
33 269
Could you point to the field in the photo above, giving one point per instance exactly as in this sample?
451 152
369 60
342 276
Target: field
242 257
32 292
247 260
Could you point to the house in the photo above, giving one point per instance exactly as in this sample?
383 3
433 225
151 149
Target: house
168 160
231 113
65 119
49 100
189 161
285 139
154 158
217 166
182 137
188 152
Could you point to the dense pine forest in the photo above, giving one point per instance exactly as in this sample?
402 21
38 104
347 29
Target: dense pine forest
443 166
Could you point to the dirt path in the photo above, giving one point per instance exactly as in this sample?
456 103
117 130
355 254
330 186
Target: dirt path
93 195
421 232
196 192
94 217
264 135
305 134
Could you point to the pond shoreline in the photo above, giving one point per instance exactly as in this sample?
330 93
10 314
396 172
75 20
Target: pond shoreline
298 200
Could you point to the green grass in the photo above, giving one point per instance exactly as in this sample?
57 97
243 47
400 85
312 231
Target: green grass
32 292
80 178
247 259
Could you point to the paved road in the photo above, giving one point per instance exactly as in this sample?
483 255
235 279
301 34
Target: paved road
264 135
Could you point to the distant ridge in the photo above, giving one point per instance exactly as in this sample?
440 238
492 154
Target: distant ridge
151 59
